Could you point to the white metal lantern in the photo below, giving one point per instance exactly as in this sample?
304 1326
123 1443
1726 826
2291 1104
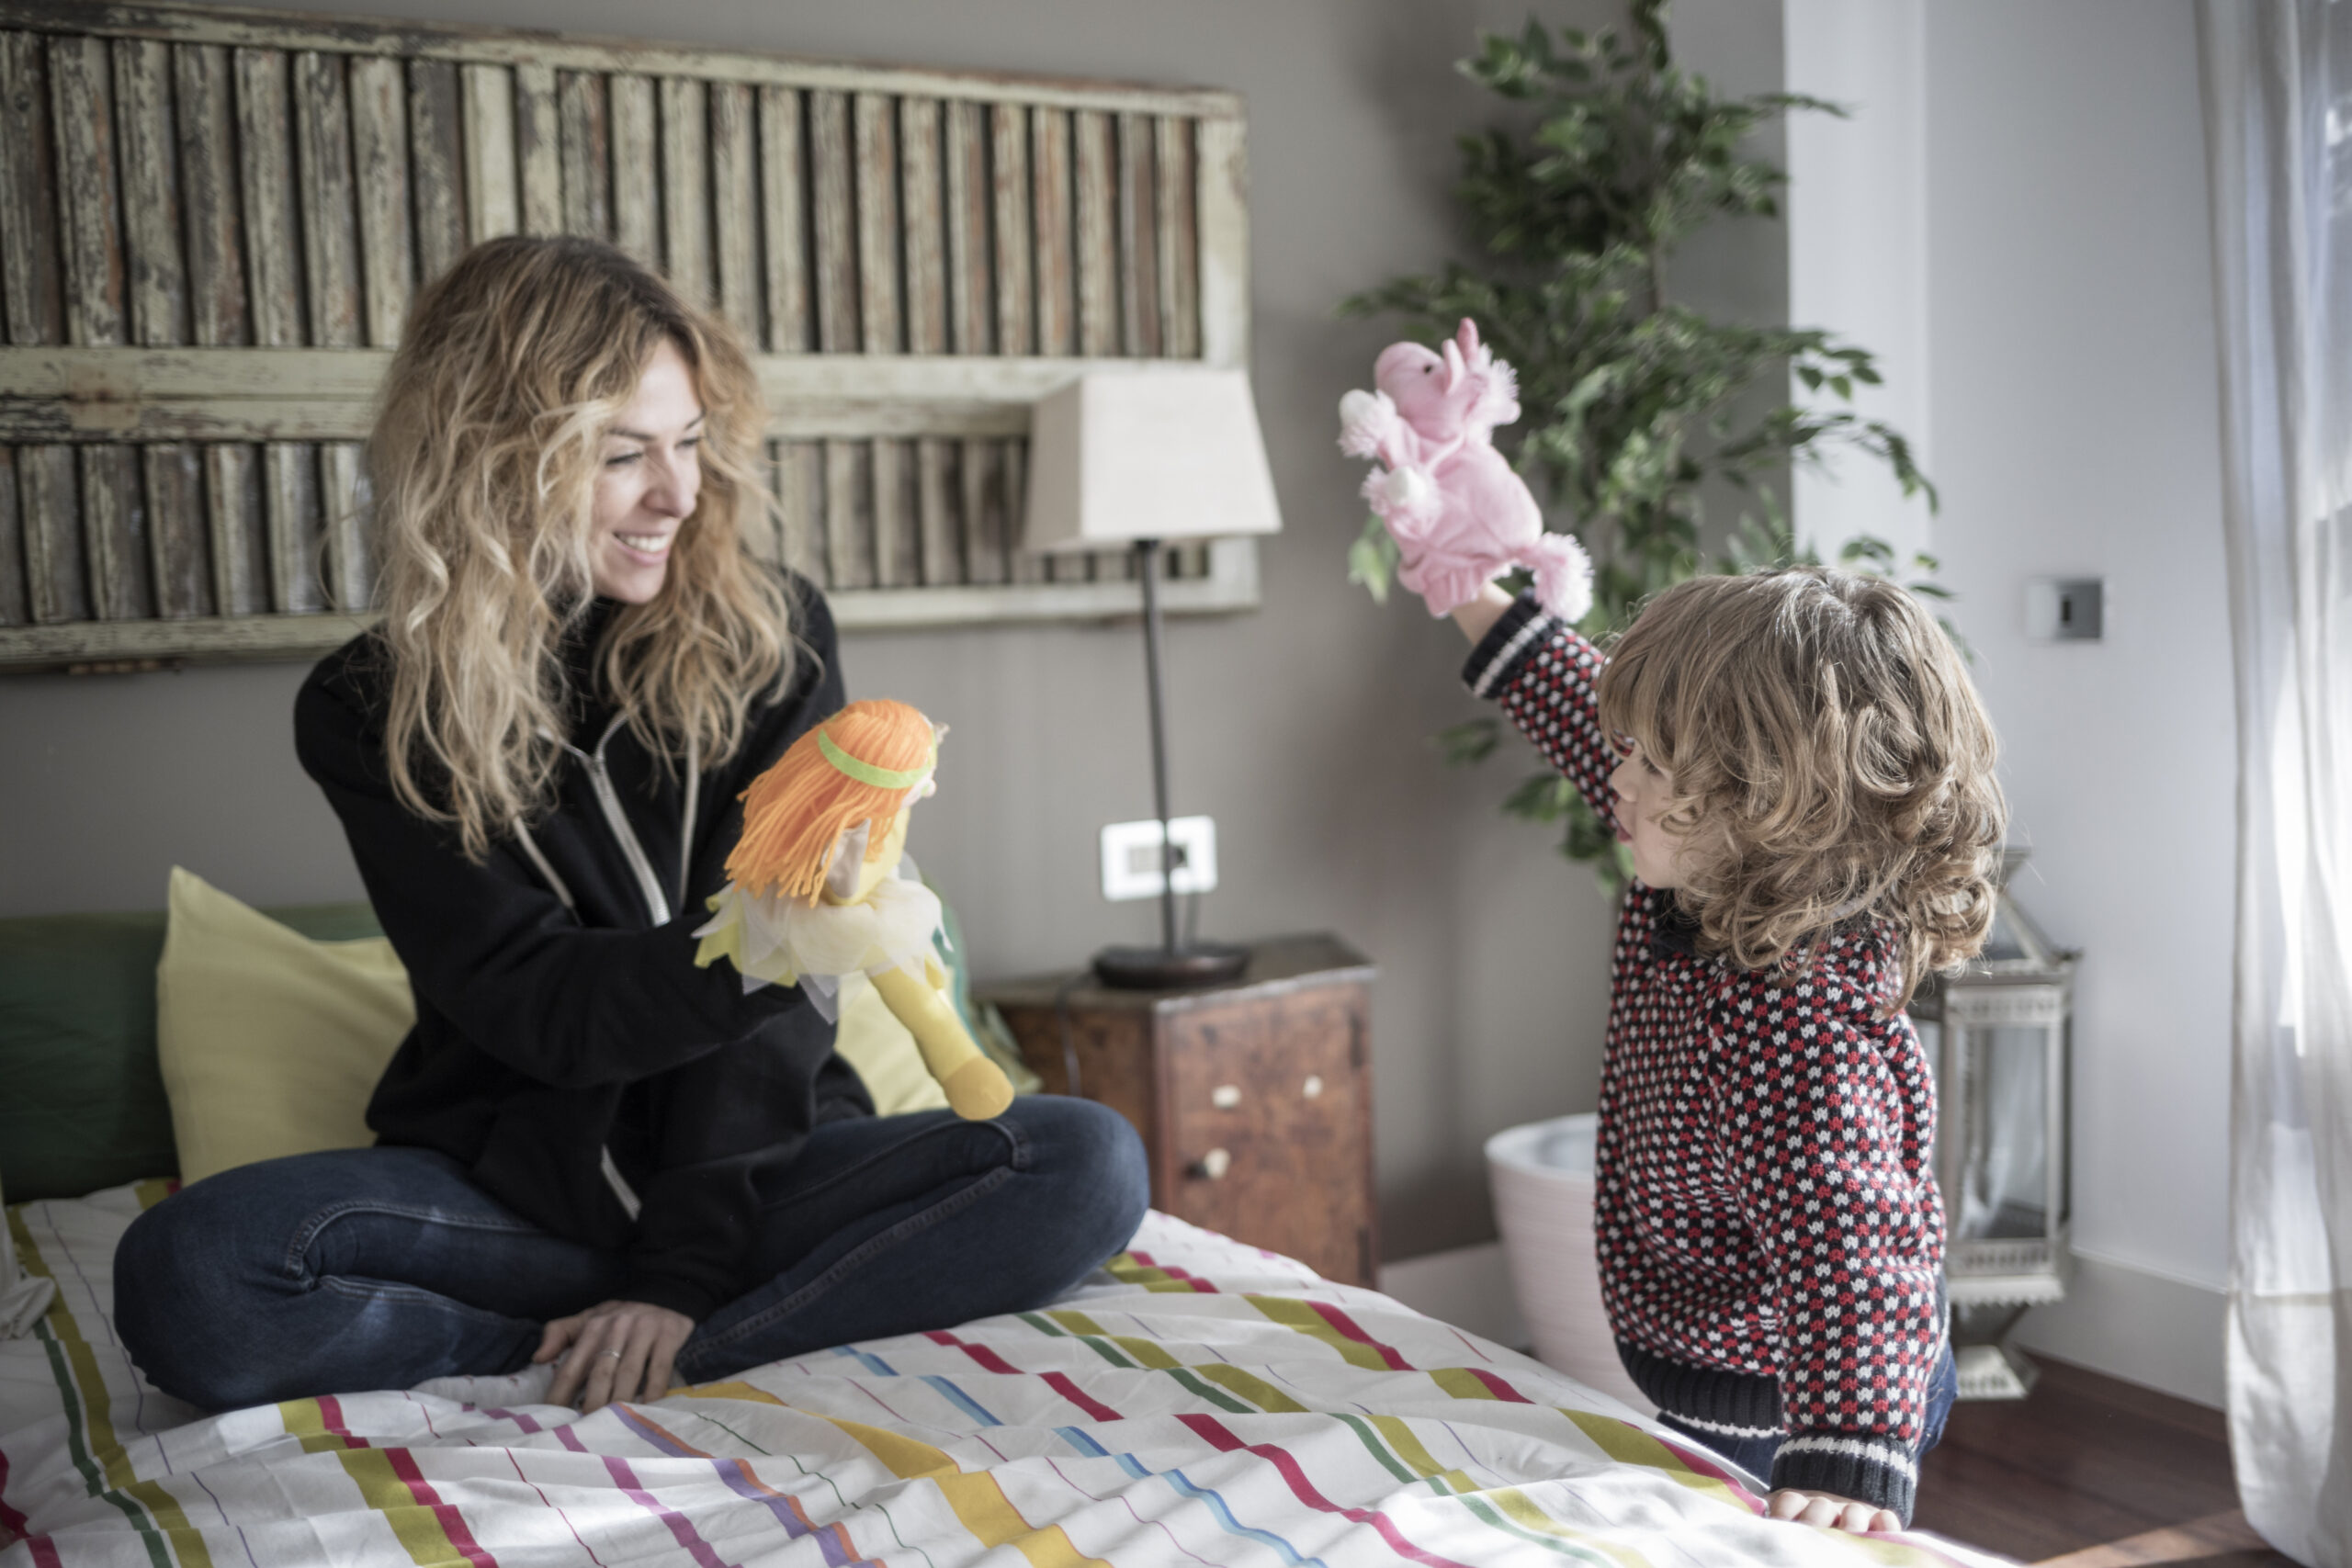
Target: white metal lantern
1998 1034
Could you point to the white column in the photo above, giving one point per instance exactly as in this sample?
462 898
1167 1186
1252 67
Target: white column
1857 252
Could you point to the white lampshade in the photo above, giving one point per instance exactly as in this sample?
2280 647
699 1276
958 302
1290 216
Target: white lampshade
1164 453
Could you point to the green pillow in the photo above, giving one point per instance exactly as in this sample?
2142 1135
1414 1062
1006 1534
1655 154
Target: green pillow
81 1099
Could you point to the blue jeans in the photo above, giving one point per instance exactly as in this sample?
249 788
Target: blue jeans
1754 1455
379 1267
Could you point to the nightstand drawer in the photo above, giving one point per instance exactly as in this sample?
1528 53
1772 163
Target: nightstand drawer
1268 1115
1254 1100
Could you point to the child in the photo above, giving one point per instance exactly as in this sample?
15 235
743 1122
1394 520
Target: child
1803 775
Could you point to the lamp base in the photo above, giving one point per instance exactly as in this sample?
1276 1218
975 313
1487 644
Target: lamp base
1170 969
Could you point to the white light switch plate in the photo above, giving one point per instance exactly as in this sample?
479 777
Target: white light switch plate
1131 857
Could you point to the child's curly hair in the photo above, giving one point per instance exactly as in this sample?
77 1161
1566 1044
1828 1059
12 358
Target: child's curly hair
1829 760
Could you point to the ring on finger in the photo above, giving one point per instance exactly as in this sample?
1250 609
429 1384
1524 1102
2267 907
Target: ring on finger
616 1355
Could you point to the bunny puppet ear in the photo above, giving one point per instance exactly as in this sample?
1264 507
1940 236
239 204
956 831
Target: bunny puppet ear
1454 366
1467 336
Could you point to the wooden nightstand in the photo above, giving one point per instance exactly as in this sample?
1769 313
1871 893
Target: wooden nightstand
1254 1100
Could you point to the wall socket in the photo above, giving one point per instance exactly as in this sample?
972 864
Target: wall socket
2065 609
1132 857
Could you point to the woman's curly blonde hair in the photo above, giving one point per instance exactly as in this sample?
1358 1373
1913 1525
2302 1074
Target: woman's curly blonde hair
483 464
1829 760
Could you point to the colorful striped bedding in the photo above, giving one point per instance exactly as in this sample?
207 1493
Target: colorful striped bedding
1198 1402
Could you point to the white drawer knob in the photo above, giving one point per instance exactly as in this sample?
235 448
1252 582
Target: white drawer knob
1313 1085
1226 1096
1215 1164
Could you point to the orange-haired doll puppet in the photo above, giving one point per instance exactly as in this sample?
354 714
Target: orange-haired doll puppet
821 888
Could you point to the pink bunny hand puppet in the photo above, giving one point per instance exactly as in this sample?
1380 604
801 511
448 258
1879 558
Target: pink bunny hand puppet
1460 516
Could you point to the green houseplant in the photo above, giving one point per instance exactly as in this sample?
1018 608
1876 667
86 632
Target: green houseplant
1632 400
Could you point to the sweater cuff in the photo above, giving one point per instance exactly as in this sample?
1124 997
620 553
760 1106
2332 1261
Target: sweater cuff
1510 643
1869 1466
680 1295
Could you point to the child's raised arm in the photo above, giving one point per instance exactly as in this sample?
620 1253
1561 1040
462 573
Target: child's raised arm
1544 675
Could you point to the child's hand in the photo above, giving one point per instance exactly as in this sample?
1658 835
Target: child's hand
1830 1511
1477 617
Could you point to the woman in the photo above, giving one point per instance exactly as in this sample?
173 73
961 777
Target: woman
590 1153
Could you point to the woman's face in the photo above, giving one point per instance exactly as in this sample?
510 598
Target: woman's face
647 485
1643 790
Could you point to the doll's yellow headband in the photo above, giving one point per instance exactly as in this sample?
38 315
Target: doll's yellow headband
868 773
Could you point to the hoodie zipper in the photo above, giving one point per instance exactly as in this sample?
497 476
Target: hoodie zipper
608 801
648 887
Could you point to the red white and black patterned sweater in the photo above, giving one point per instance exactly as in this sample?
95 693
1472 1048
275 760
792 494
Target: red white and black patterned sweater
1770 1235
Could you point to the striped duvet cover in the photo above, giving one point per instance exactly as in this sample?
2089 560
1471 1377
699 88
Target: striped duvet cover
1197 1402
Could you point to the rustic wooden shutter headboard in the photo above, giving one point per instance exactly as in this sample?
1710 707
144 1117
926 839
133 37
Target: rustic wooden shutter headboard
212 222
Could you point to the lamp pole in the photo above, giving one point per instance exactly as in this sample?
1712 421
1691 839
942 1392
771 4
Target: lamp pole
1169 964
1148 570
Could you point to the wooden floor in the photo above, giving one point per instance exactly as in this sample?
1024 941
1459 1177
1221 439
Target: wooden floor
2089 1472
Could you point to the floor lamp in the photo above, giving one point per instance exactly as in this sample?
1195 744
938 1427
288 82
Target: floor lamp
1149 457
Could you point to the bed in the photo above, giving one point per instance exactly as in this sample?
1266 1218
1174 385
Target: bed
1195 1401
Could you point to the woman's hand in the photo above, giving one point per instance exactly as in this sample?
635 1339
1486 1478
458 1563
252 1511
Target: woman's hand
1830 1511
614 1350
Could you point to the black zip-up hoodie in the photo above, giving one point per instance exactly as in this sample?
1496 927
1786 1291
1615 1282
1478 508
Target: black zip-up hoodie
567 1050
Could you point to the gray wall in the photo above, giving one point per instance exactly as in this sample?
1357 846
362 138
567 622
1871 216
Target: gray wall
1303 728
2077 432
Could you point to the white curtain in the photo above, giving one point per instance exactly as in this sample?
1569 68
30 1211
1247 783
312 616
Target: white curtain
2279 121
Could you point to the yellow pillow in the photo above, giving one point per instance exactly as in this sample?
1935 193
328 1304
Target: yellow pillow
270 1043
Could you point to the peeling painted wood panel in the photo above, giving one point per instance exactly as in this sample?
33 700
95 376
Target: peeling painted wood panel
486 100
938 497
114 533
538 150
380 151
896 530
350 576
784 197
290 191
980 477
930 549
757 523
31 291
686 189
734 207
1095 179
464 41
290 506
206 106
151 189
1179 239
82 101
265 154
1050 212
182 554
970 307
436 157
329 218
924 234
48 493
16 607
799 508
1138 236
1221 173
1021 566
237 529
849 493
1016 331
636 194
877 157
585 127
835 206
